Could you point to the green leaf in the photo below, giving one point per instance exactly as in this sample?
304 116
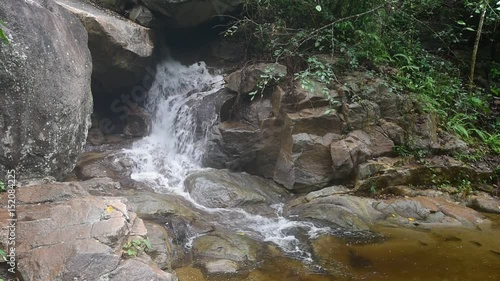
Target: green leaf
3 255
147 244
469 29
461 22
3 37
318 8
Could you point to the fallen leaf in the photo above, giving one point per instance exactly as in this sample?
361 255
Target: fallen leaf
110 209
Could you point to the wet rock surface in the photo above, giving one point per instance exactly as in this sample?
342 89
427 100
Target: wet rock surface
224 252
336 207
224 189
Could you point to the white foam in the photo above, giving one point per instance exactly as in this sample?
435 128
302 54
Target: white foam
171 152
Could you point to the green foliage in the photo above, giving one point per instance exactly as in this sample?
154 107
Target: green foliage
136 246
3 37
316 78
3 256
268 77
390 33
2 187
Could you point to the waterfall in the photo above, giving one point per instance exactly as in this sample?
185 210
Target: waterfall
172 151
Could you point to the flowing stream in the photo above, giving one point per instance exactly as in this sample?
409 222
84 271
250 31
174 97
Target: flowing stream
172 152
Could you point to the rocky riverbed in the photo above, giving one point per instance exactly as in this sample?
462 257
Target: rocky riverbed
190 178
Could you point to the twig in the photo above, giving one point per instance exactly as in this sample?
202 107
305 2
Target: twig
316 31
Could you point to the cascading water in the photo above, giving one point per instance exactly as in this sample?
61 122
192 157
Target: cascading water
172 151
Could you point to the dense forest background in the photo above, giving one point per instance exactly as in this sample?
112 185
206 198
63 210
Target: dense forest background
445 53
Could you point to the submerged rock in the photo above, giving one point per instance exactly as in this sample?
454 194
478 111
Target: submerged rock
221 266
224 252
46 97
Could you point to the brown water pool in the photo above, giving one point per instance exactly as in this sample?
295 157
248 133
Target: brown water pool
443 254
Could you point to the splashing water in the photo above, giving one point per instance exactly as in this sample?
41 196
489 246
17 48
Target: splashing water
172 151
168 155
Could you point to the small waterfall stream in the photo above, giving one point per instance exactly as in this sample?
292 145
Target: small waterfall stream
171 152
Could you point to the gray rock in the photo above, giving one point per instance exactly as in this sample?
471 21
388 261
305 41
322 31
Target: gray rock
367 86
346 212
135 269
247 79
101 186
348 153
485 204
109 164
95 137
361 115
221 266
386 172
351 213
115 5
305 163
300 98
226 246
224 189
190 13
137 124
121 51
142 16
429 212
148 204
314 121
46 97
161 248
63 233
208 107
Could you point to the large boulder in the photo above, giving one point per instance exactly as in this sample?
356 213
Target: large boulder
250 78
46 96
358 147
190 13
386 172
248 137
304 162
121 52
224 189
334 207
64 233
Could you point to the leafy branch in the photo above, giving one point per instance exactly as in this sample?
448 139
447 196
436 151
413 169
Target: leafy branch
315 32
